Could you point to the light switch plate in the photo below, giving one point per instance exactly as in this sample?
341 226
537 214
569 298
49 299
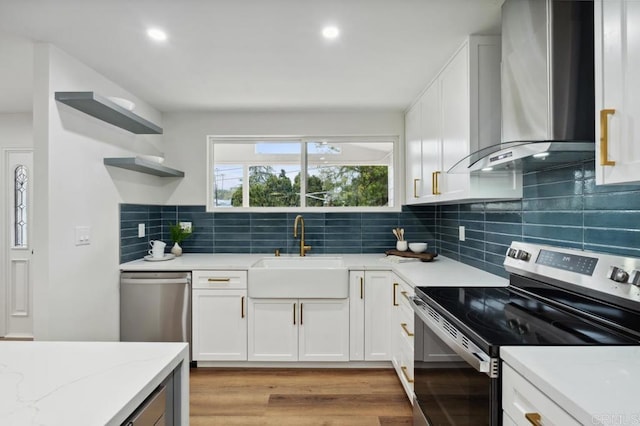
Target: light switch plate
461 235
141 230
83 235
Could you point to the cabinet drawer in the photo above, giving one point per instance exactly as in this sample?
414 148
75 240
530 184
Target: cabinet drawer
220 279
520 397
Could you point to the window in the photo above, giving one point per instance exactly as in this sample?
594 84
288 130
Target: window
322 173
20 180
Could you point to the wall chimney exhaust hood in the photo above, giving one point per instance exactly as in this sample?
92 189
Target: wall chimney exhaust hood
548 91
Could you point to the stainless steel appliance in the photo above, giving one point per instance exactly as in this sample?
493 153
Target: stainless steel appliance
155 307
555 296
548 89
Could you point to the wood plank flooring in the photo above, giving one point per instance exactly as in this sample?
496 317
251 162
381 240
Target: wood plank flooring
300 397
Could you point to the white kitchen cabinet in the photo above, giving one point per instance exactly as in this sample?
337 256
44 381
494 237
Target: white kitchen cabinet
459 114
298 329
403 333
219 320
523 404
371 302
617 64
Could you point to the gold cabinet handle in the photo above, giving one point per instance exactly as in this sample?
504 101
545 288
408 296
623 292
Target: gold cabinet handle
404 293
406 329
395 301
405 374
242 307
361 287
534 418
301 305
604 137
294 314
435 183
415 188
219 280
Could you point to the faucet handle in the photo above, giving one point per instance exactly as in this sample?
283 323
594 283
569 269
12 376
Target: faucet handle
305 249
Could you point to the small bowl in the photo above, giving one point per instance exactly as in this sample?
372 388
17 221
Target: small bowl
418 247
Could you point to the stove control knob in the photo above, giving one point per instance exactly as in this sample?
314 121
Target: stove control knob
523 255
512 253
635 277
617 274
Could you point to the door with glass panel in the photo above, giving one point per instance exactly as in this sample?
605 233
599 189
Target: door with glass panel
17 315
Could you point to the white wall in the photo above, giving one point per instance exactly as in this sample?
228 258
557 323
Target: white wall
185 136
16 130
76 287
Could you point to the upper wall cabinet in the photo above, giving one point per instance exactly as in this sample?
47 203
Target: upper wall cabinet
617 57
104 109
458 113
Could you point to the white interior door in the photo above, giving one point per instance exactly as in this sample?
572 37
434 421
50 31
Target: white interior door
16 279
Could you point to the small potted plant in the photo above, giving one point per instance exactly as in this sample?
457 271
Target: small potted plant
178 233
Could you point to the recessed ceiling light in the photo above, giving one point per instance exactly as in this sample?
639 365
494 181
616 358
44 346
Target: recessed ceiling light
157 34
541 155
487 169
330 32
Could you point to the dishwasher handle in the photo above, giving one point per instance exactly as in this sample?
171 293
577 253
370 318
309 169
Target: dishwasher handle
184 280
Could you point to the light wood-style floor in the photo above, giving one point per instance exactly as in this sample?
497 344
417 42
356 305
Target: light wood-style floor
300 397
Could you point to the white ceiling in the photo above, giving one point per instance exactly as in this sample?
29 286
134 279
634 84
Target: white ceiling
245 54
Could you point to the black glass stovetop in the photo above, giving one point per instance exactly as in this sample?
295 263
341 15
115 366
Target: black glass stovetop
507 316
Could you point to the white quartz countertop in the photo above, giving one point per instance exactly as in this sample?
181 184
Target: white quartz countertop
81 383
442 271
595 384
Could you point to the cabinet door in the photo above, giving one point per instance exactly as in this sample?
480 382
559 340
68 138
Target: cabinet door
413 153
455 122
323 331
273 329
617 53
356 315
431 142
379 300
219 325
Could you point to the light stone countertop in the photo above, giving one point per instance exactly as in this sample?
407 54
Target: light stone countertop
597 385
84 383
442 271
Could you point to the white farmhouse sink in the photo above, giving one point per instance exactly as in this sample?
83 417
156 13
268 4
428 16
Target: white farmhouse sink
299 277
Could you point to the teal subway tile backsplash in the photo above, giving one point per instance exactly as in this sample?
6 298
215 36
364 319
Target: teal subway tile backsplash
561 207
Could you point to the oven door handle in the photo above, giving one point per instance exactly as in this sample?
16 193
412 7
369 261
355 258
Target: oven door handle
480 361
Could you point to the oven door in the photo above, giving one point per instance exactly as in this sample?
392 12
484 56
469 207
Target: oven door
466 392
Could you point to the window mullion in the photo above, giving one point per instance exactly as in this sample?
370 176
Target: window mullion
303 174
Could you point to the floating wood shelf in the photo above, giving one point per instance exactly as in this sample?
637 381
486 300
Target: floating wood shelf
103 109
141 165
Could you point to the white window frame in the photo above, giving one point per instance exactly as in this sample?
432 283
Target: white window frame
394 171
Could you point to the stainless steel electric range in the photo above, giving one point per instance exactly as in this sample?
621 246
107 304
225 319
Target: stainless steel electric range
556 296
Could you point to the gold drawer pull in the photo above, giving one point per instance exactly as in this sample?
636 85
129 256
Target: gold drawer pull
219 280
405 374
406 330
405 294
415 188
534 418
604 137
294 314
242 307
361 287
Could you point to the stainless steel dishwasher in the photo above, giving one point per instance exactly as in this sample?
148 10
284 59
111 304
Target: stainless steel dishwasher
155 307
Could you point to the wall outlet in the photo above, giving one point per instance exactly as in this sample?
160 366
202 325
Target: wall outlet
461 233
186 226
141 230
83 235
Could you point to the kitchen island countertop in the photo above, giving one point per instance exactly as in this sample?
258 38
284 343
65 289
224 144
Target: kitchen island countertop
594 384
84 383
442 271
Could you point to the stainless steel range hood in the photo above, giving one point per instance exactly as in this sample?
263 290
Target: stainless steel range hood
548 95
